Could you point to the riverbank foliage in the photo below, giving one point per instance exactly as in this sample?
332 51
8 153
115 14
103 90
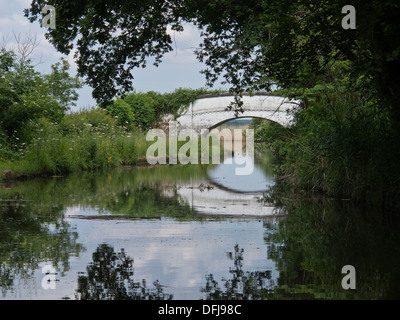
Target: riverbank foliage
343 143
38 134
87 140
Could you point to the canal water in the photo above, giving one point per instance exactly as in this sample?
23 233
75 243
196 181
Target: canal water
188 232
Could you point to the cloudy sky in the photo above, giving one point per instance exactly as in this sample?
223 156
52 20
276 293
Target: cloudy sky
179 68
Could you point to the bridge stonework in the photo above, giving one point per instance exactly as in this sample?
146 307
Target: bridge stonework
208 112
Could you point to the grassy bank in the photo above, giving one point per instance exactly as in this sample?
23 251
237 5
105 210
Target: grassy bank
86 140
38 137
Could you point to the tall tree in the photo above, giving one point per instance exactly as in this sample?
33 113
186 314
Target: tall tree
27 95
251 43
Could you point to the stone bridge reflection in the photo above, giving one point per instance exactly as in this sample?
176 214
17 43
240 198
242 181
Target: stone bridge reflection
207 197
222 192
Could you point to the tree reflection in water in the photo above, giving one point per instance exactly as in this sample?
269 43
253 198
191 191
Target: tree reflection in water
31 234
110 277
244 285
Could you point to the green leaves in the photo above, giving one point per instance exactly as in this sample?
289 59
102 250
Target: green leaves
61 85
122 112
143 109
142 106
112 39
26 95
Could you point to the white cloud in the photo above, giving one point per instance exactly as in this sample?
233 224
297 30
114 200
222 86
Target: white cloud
12 23
181 56
189 38
71 59
184 44
24 3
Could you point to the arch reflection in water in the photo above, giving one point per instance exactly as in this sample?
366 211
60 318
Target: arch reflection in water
224 175
225 193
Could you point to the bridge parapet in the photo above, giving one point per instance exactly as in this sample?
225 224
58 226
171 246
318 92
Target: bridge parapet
207 112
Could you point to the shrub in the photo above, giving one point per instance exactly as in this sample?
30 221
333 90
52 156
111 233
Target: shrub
26 95
340 146
142 106
122 112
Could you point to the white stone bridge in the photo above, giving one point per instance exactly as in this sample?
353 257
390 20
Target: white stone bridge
210 111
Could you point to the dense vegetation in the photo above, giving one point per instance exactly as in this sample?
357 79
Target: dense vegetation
39 136
343 143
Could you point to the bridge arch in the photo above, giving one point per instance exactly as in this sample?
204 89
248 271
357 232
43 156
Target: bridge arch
209 111
239 117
